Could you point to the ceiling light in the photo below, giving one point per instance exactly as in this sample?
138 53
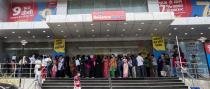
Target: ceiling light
107 30
33 36
125 23
142 22
122 34
192 28
124 30
201 33
108 24
160 22
75 25
77 30
92 24
5 37
92 30
19 37
175 28
43 31
28 32
137 34
139 29
169 34
62 31
58 25
13 32
185 33
48 36
155 29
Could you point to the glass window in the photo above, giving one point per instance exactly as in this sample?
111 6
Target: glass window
74 7
99 5
126 5
88 6
139 5
113 5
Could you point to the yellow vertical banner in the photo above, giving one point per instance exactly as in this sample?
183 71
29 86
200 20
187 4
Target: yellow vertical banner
158 43
59 46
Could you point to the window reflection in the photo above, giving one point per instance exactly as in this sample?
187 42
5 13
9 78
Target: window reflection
88 6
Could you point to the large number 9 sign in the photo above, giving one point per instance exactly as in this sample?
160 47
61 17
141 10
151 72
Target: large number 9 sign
16 11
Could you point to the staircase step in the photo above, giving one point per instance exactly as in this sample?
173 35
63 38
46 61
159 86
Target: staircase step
141 78
115 84
117 87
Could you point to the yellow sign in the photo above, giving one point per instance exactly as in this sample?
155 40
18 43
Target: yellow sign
59 45
158 43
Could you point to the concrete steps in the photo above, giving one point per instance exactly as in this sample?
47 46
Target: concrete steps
116 83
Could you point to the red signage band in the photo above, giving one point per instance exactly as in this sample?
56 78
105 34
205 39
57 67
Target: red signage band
22 12
207 47
109 16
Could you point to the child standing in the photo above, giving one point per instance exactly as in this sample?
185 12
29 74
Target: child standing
77 84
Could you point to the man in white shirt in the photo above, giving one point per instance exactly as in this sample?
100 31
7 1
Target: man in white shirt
140 65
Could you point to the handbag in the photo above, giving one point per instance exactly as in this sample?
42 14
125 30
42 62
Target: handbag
163 73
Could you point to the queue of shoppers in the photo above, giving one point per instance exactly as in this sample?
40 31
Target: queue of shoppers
97 66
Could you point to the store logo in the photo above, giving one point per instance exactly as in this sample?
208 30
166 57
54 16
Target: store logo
109 16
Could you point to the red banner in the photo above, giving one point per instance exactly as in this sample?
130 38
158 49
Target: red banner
181 8
32 11
207 47
109 16
22 12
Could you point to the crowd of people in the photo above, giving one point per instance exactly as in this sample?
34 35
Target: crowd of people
95 66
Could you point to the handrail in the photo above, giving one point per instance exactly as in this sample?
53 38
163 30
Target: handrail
185 73
36 83
14 72
188 74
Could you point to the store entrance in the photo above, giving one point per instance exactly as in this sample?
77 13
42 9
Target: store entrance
108 47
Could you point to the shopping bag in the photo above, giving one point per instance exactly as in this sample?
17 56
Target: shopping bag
163 73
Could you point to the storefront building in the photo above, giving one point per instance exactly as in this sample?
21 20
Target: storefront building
105 26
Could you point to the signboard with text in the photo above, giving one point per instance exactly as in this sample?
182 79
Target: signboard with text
109 16
33 11
158 43
181 8
186 8
158 46
59 47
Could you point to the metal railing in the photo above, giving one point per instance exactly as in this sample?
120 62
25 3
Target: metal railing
191 71
13 70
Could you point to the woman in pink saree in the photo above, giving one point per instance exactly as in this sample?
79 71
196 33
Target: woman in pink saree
125 67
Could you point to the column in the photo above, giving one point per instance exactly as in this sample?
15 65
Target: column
2 51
